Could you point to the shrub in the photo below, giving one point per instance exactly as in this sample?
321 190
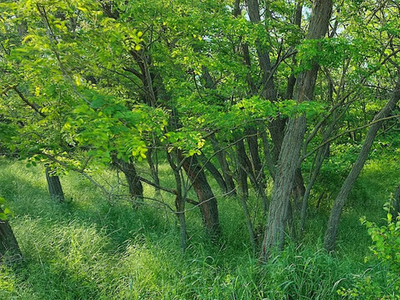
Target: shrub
385 284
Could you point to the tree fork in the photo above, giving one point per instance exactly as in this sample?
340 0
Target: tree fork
289 158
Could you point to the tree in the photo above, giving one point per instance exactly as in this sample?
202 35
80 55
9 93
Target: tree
289 157
333 223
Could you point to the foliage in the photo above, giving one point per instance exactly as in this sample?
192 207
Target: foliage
5 211
386 244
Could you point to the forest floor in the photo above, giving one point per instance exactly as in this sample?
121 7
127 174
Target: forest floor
95 248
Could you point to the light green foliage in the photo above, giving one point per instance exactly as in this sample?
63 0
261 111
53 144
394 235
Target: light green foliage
386 239
5 211
386 245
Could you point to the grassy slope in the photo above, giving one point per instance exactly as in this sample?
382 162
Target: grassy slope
88 249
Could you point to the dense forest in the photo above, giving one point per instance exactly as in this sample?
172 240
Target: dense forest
209 149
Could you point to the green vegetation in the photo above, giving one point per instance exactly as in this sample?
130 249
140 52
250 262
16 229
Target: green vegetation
89 248
207 149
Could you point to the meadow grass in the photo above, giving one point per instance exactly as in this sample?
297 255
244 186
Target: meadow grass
96 248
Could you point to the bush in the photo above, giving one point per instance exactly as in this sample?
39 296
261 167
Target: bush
386 249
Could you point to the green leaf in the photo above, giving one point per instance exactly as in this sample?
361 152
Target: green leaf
3 216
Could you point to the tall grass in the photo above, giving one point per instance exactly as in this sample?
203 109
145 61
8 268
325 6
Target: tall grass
89 248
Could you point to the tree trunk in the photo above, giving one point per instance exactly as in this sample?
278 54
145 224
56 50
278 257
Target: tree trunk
334 218
252 141
320 156
242 170
226 172
54 185
179 203
289 158
214 172
9 248
153 168
134 183
396 203
289 162
249 223
207 202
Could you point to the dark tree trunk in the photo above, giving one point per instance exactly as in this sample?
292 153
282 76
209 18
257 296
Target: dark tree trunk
396 203
249 223
207 202
9 248
134 183
54 185
242 169
298 190
153 168
334 218
179 203
245 169
252 141
214 172
319 160
226 172
260 182
289 157
271 163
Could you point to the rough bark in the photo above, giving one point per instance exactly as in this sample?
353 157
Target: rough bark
207 202
54 185
289 161
334 218
289 157
9 247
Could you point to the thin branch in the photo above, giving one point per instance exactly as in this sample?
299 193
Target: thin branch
346 132
33 105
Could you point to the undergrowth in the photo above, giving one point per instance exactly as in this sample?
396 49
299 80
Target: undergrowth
90 248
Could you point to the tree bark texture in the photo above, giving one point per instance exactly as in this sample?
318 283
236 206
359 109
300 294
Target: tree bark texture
207 202
334 218
289 157
54 185
289 161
